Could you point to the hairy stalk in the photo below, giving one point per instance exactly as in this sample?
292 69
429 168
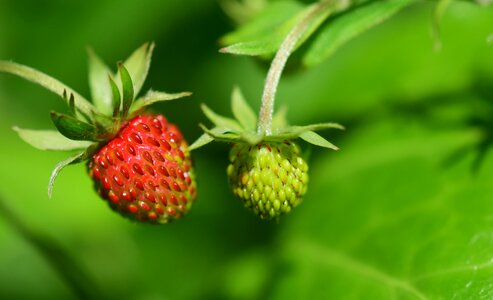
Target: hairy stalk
76 277
279 62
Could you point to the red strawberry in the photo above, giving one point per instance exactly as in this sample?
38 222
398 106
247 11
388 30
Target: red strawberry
145 171
138 161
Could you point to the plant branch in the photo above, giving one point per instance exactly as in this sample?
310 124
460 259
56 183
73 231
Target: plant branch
279 62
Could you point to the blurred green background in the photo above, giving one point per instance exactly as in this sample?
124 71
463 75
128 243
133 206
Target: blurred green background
403 211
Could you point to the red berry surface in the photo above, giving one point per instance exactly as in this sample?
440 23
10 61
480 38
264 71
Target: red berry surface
145 172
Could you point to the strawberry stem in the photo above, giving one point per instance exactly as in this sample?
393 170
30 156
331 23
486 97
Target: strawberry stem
279 62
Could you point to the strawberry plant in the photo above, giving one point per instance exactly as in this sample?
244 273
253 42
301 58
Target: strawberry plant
402 211
139 162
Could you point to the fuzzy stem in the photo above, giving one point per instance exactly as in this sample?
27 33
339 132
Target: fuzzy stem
279 62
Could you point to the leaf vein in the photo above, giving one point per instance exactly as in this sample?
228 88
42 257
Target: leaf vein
333 258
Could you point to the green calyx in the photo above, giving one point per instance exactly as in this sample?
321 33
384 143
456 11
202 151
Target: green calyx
88 124
243 128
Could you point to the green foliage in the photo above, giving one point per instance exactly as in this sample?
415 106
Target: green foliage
267 25
138 65
315 139
242 111
348 25
262 35
116 97
264 38
152 97
73 128
242 129
438 13
127 90
409 229
101 91
50 140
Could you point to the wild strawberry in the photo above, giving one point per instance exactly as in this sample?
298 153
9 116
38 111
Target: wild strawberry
270 178
138 161
266 171
145 171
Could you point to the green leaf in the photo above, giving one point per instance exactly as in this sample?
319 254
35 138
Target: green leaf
206 138
48 83
203 140
69 161
270 43
116 97
254 48
297 130
349 25
315 139
293 132
242 11
127 89
269 20
71 105
242 111
251 138
230 137
220 121
156 96
386 219
138 65
279 120
98 83
49 140
73 128
438 13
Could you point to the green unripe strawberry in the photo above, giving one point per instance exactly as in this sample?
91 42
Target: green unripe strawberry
139 162
266 171
270 178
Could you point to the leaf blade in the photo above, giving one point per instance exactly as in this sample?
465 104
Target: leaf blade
219 120
228 137
60 166
73 128
317 140
127 89
313 127
264 23
437 17
279 120
207 138
349 25
138 65
269 43
152 97
242 111
98 83
49 140
347 251
116 97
